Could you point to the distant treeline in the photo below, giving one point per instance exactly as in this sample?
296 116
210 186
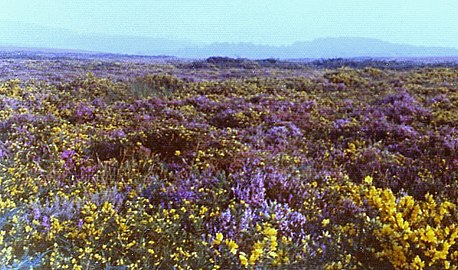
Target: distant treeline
242 63
228 62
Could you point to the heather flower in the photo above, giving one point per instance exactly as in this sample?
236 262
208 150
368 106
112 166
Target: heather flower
3 153
45 222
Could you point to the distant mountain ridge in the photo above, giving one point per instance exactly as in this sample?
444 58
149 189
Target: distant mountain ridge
345 47
38 36
31 35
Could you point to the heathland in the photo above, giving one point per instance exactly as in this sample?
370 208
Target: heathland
117 162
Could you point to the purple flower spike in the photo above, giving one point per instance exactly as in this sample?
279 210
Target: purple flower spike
45 222
67 154
80 223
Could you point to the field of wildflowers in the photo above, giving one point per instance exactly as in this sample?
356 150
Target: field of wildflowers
200 166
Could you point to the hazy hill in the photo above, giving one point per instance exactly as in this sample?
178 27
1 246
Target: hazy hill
345 47
37 36
357 47
32 35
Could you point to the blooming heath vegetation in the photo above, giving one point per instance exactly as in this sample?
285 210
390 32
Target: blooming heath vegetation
201 166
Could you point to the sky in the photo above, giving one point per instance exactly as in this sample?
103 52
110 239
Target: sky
272 22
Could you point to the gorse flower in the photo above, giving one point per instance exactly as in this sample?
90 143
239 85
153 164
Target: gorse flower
218 239
243 259
232 246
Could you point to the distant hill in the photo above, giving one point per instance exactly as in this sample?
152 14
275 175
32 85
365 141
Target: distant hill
365 47
345 47
37 36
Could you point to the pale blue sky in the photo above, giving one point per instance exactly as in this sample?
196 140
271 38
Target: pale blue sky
416 22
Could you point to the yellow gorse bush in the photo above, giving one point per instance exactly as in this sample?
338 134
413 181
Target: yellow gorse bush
410 234
414 233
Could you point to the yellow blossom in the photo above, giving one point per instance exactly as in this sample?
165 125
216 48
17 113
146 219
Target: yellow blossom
368 180
218 239
270 231
243 259
232 246
325 222
418 263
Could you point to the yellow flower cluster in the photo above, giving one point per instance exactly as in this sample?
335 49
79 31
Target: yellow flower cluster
267 250
414 233
410 234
